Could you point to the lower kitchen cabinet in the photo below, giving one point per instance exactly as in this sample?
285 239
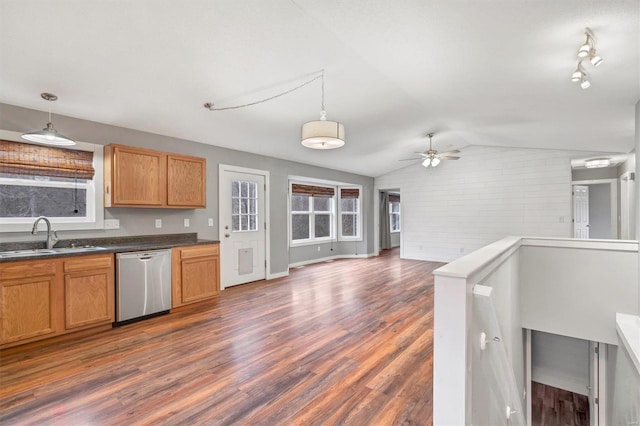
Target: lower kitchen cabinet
29 300
195 273
88 291
45 298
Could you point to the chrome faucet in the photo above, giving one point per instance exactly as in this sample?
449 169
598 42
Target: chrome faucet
52 237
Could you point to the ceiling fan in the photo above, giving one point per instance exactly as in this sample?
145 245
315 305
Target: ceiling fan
431 157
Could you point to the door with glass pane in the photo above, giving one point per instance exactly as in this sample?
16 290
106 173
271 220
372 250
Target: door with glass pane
242 233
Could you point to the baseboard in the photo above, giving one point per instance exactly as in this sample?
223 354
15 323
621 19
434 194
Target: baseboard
560 381
329 258
278 275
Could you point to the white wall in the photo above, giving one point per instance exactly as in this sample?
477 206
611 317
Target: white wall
577 292
560 361
488 194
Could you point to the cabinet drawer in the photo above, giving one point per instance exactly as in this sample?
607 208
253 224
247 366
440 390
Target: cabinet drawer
199 251
28 268
88 263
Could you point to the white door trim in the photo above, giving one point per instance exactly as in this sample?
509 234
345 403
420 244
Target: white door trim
613 190
267 249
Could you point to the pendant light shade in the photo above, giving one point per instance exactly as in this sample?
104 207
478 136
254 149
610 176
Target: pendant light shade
322 134
49 135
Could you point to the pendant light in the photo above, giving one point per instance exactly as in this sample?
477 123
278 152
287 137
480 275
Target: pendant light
49 135
322 134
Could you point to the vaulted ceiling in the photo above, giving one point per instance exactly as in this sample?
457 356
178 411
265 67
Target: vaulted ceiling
493 72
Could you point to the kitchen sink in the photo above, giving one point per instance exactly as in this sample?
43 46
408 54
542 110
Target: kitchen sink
59 250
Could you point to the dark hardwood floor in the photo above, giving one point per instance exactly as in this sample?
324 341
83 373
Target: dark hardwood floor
343 342
556 407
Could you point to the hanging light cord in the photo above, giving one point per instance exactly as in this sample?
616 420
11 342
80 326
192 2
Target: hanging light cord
211 106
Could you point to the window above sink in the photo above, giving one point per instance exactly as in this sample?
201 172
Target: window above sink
67 189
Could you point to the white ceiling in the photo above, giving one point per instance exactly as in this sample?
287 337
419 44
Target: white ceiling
493 72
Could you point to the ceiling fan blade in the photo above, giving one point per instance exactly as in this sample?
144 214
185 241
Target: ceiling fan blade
449 158
455 151
410 159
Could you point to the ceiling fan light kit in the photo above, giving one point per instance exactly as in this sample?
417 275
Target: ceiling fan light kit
587 50
49 135
318 134
431 157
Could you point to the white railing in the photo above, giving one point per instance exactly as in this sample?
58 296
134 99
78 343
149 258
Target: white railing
626 389
561 286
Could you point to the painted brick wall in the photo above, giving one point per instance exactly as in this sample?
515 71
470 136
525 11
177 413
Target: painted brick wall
488 194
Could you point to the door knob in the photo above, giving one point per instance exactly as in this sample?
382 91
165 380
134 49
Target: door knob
227 235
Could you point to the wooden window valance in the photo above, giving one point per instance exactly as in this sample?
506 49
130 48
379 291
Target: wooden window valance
314 191
35 160
349 193
394 198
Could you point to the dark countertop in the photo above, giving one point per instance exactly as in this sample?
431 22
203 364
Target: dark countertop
107 245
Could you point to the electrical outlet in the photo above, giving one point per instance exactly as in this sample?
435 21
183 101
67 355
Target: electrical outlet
210 221
111 224
158 223
318 248
186 223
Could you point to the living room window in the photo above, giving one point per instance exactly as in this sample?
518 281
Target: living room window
62 184
312 213
350 214
394 213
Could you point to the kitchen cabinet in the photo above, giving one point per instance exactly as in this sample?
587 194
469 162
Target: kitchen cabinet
88 291
139 177
195 273
186 177
29 300
49 297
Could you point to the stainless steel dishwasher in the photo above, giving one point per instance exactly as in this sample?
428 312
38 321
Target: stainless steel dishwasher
143 285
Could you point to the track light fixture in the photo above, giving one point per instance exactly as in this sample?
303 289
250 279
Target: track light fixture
587 50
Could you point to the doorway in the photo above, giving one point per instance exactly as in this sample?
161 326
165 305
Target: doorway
595 209
243 225
389 214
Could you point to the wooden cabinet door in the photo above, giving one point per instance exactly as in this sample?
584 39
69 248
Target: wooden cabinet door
195 274
28 307
186 181
138 177
89 291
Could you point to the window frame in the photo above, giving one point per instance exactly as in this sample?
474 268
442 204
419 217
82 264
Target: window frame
392 213
311 212
358 236
94 218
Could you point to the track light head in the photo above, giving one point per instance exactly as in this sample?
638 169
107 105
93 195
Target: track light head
594 58
584 83
583 52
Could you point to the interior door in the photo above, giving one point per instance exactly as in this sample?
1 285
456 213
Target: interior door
242 227
580 211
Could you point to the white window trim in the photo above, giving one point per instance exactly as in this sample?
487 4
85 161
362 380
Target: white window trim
311 213
358 236
95 211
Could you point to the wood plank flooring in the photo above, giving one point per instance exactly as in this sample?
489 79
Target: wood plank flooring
343 342
556 407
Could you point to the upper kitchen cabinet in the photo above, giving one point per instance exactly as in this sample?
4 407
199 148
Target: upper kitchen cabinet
186 177
138 177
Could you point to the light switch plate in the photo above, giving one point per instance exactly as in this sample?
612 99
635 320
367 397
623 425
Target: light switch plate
158 223
210 221
111 224
186 223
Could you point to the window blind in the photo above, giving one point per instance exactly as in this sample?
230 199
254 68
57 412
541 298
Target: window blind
394 198
349 193
314 191
36 160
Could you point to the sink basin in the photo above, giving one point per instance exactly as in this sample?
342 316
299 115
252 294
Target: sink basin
60 250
